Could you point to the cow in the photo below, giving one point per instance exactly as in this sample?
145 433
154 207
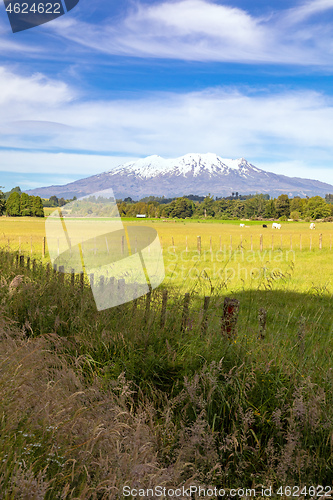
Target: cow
275 225
264 225
312 226
241 225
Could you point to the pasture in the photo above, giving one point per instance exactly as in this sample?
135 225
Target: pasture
231 412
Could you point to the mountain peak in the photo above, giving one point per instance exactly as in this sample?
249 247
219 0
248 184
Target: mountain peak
193 173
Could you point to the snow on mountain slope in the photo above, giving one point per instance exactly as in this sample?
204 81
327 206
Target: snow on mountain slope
193 173
190 164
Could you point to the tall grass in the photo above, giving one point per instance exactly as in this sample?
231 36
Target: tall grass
92 401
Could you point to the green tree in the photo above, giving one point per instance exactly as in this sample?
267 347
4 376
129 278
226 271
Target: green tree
270 211
317 208
282 205
13 205
37 206
25 205
2 202
182 208
256 206
54 201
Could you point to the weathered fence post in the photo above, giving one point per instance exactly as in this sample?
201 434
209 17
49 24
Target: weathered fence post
173 244
230 316
47 270
72 277
147 308
43 247
241 242
300 242
34 266
261 243
230 243
28 263
21 260
121 289
220 243
320 241
291 242
91 279
81 281
61 274
262 315
185 312
163 310
199 244
204 323
211 245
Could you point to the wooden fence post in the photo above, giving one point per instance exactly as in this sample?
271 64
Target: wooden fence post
230 316
241 242
28 263
72 277
211 246
43 247
91 279
164 305
291 242
204 323
185 312
61 274
34 266
300 242
262 322
320 241
173 244
81 281
199 244
147 308
220 243
261 243
21 260
230 243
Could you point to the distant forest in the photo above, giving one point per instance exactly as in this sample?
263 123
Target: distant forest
258 206
236 206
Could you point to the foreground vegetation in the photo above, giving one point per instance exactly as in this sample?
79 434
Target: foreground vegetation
92 401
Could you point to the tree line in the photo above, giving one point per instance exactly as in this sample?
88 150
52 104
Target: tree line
259 206
21 205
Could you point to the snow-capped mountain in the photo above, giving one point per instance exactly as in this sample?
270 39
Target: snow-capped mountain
198 174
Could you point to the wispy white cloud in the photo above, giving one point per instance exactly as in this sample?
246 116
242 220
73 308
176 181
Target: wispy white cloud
264 126
203 30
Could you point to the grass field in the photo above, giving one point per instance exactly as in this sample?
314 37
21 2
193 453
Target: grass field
92 401
230 255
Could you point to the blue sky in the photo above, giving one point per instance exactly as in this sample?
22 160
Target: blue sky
112 81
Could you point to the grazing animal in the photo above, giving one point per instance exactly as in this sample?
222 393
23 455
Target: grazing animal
264 225
312 226
241 225
275 225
